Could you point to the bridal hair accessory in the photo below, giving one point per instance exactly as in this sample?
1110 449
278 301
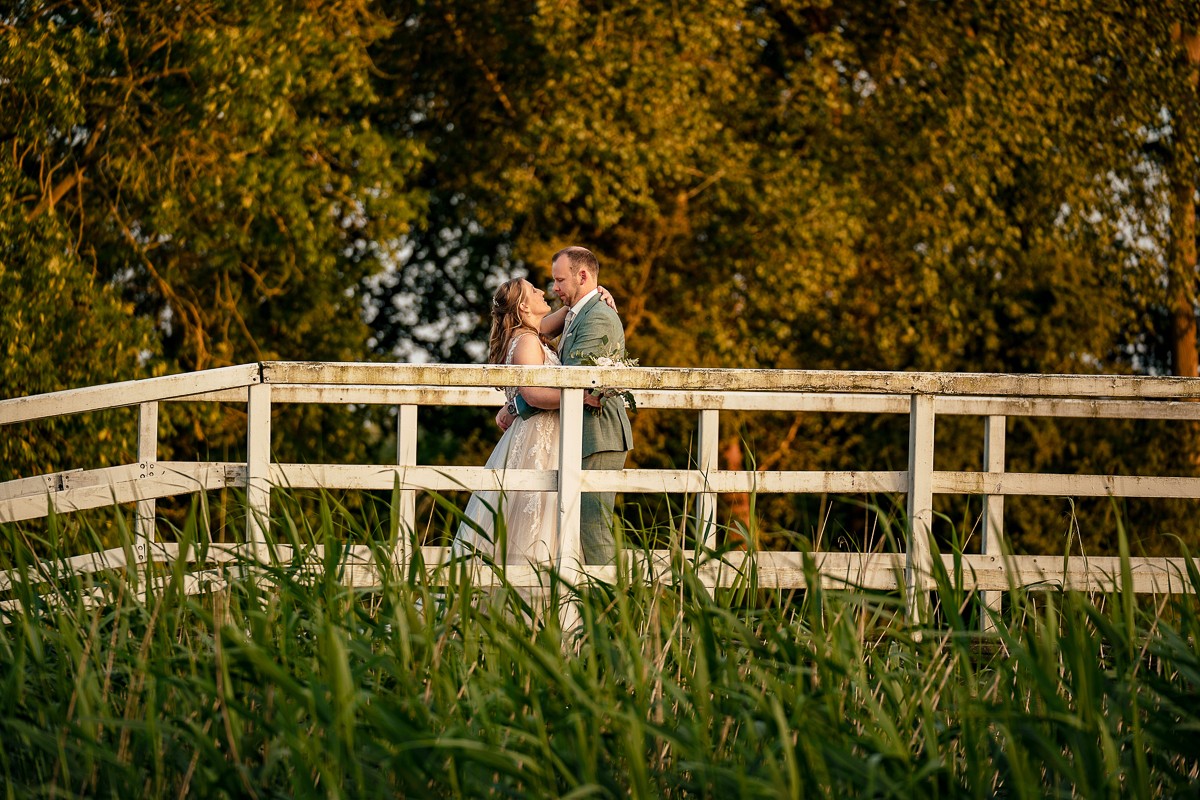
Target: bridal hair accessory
613 357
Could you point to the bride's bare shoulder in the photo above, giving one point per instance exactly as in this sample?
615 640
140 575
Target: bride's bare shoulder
528 351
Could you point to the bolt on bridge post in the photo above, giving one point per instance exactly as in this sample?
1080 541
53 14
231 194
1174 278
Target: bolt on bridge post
147 455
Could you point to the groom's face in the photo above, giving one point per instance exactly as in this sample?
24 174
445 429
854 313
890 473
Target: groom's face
567 284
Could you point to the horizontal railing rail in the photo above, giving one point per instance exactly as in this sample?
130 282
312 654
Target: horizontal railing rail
922 397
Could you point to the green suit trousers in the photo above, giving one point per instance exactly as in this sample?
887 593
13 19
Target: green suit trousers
596 511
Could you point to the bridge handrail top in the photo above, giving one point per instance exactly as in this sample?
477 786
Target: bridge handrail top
725 379
697 379
128 393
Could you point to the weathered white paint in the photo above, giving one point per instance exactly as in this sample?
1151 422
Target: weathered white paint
192 583
462 478
1065 407
101 488
115 558
992 529
147 456
360 394
759 400
1045 484
846 571
384 477
921 395
406 458
570 482
127 393
744 400
708 435
918 564
724 380
37 485
768 570
678 481
258 468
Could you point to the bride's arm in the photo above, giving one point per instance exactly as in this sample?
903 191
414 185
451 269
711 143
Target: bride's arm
552 324
529 353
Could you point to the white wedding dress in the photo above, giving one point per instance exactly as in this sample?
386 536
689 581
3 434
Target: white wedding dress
530 518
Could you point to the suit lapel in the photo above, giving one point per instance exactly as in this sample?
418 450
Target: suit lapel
564 344
568 340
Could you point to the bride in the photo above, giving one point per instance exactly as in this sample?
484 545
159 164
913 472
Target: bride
521 326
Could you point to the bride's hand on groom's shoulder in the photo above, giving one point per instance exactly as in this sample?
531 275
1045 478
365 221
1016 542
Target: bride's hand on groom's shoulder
607 297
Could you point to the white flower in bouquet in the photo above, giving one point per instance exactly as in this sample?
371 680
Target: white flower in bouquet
615 357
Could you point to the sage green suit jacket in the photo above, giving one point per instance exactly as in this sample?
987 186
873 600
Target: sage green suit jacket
597 330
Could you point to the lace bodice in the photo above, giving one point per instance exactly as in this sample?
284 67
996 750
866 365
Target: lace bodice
551 360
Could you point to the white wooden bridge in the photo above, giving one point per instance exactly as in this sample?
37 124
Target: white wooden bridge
922 397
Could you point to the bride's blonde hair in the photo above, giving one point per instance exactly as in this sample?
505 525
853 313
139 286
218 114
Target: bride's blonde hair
506 319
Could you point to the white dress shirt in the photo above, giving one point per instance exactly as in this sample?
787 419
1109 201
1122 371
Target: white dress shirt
575 309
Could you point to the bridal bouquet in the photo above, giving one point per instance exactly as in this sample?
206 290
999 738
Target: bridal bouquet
615 357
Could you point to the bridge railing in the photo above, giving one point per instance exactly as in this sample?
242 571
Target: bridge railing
922 397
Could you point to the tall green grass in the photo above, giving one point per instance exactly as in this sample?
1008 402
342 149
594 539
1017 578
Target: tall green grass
290 684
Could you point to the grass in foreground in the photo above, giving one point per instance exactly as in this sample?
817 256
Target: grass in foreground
291 684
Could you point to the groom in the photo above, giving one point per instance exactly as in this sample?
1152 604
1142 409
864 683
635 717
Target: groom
591 328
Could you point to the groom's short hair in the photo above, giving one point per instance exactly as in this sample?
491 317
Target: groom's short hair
579 258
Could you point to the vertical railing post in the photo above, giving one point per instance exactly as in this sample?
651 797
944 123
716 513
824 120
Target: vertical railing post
918 557
258 469
147 456
570 484
707 441
993 511
406 456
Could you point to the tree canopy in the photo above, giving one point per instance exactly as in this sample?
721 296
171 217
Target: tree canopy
206 171
976 186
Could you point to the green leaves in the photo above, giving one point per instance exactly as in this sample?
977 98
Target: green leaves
187 187
287 681
227 182
981 186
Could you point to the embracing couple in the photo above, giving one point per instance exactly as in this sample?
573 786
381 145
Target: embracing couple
522 329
